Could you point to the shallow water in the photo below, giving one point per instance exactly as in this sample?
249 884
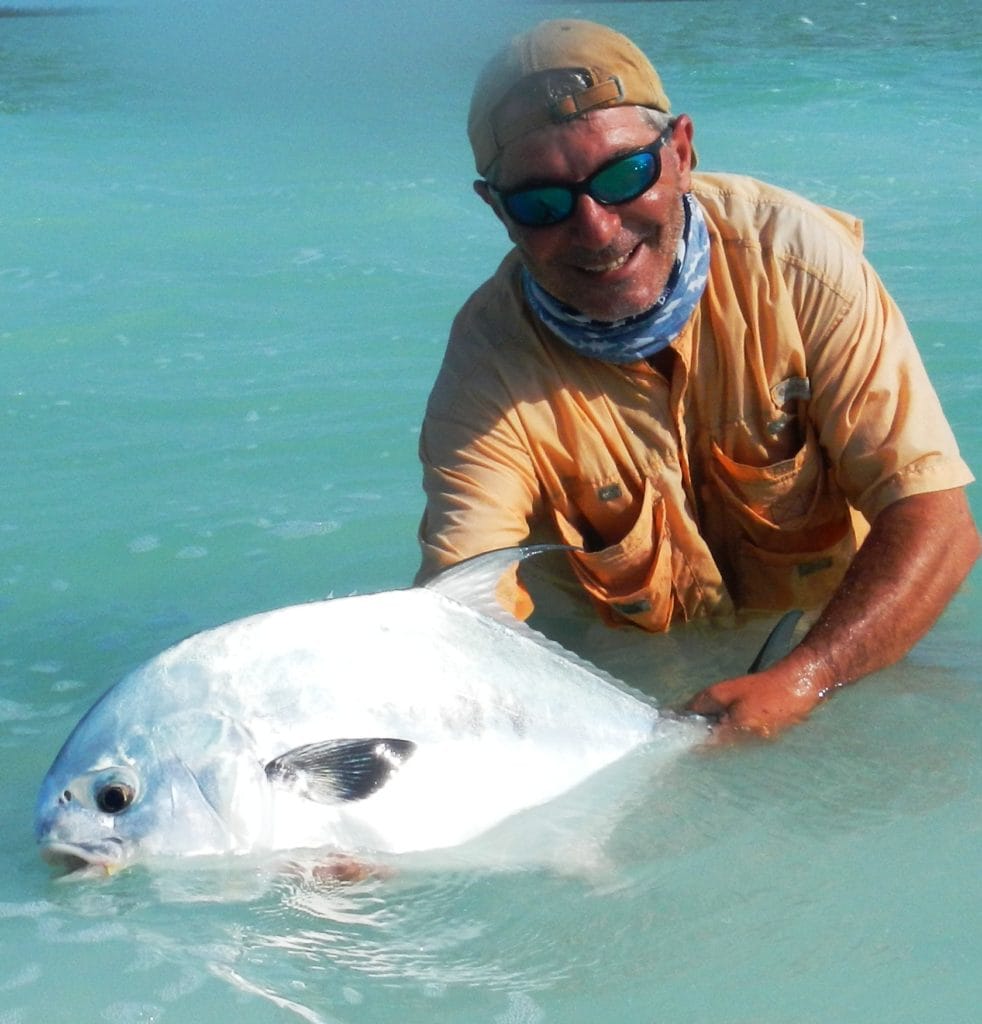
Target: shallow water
233 239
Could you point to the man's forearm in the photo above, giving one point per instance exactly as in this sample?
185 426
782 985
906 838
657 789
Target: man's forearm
917 554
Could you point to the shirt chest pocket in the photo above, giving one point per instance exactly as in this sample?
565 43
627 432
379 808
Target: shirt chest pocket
788 530
787 506
631 578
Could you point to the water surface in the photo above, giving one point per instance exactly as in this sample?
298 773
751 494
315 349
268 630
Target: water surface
233 238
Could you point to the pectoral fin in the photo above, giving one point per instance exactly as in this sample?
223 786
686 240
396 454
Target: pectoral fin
337 770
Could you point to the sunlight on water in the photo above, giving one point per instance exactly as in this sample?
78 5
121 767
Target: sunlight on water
234 238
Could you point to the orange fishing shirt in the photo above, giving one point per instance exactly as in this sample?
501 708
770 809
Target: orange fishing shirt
796 409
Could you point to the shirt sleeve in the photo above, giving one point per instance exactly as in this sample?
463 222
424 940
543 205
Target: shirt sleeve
480 485
879 417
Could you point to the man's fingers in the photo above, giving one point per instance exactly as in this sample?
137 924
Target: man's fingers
705 703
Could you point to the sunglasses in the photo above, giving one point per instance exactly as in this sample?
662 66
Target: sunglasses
619 181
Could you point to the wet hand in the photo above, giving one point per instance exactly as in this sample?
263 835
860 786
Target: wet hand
761 704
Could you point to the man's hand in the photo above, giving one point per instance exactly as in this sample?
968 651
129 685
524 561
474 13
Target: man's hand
918 552
765 702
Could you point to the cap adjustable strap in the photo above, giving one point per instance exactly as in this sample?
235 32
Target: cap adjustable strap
558 110
568 107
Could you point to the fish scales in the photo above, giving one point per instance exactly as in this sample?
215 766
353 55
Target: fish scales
389 722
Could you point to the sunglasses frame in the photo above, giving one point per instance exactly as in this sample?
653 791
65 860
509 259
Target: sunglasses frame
583 187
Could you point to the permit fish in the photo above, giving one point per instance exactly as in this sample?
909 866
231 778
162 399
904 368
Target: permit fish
405 720
391 722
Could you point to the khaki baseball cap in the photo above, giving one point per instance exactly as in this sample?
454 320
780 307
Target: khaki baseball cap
610 72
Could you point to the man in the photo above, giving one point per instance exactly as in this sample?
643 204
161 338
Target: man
695 379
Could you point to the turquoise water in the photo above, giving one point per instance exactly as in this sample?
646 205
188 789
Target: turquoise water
233 237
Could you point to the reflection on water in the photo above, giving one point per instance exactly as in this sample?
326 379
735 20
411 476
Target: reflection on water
769 855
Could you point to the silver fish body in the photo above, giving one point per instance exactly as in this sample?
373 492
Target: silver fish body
389 722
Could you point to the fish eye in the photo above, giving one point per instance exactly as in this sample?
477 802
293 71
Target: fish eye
114 797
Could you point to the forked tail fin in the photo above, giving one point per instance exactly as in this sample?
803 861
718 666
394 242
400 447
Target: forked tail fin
778 642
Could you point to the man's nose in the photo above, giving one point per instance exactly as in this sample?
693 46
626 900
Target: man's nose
594 224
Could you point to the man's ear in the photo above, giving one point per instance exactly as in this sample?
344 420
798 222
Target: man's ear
483 189
682 145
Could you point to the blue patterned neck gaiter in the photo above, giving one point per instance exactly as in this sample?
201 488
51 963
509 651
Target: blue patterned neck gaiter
641 336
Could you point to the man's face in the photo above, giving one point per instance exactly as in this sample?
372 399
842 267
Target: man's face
607 262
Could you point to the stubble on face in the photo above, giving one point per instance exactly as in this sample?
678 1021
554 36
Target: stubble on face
607 262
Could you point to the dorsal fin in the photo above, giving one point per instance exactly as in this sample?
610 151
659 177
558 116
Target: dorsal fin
474 581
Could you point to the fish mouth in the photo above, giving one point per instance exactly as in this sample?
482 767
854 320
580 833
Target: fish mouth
73 859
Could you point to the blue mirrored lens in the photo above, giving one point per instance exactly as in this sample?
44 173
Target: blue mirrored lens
624 180
540 206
